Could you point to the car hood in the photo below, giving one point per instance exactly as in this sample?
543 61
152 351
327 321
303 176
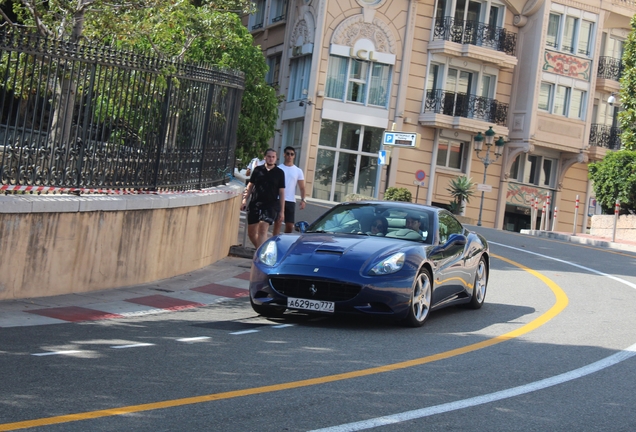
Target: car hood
338 251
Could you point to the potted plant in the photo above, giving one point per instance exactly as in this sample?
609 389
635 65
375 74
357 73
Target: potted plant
460 189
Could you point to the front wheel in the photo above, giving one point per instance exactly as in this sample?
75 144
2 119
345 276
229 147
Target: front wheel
268 311
479 288
421 298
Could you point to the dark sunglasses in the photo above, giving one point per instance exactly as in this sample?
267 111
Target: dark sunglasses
290 154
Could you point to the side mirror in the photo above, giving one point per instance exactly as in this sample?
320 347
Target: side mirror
301 226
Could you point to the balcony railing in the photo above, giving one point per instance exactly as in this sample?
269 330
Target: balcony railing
610 68
605 136
466 105
475 33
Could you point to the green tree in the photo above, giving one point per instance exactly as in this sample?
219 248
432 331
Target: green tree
196 31
627 115
614 177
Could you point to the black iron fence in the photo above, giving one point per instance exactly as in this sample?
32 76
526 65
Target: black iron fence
466 105
475 33
86 116
605 136
610 68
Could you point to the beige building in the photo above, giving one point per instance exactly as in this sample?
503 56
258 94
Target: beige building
537 73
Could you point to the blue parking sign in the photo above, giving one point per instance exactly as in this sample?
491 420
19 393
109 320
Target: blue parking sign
389 138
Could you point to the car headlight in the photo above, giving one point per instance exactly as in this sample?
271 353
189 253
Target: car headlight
389 265
269 254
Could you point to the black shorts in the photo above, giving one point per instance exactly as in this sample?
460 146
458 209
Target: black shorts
256 214
290 212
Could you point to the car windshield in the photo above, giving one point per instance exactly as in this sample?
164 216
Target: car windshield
381 220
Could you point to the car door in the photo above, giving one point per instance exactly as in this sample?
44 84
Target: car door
450 275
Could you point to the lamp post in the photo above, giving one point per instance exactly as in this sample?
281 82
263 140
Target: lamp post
479 140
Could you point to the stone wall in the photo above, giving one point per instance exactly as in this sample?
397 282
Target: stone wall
61 244
603 226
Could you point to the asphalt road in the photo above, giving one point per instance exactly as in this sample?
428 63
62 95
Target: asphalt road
553 348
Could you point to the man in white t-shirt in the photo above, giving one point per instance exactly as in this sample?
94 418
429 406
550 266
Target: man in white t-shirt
293 177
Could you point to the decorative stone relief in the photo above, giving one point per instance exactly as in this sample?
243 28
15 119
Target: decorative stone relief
354 28
304 30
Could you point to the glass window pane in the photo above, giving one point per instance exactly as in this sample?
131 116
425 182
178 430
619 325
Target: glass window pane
455 155
329 133
432 82
545 96
324 173
451 80
576 104
345 176
530 170
350 136
372 139
442 153
336 77
553 30
560 100
514 169
546 173
378 87
585 38
367 175
568 34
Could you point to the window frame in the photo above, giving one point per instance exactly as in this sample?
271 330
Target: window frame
257 20
529 169
346 79
566 109
299 74
463 146
563 41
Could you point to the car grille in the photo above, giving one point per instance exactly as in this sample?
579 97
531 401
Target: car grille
315 289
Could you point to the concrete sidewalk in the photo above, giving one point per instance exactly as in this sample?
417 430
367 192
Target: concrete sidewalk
224 280
585 239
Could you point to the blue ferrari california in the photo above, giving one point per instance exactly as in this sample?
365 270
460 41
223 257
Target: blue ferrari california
380 258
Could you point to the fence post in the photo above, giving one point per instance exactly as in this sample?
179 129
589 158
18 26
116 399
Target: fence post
533 214
542 217
554 219
547 214
576 215
617 208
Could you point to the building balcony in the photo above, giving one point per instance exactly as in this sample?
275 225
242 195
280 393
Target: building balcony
474 40
464 112
605 136
610 68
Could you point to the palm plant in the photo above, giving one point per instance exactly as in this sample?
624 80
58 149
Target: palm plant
460 189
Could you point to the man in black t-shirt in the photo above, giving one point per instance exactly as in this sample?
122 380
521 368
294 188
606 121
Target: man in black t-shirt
266 188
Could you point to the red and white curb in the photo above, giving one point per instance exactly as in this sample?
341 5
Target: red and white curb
135 306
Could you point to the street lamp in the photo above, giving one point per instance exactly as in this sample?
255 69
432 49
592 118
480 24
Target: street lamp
479 139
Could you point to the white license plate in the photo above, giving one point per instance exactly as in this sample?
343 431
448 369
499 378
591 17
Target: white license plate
312 305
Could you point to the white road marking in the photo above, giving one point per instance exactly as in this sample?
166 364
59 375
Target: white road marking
193 339
600 273
503 394
282 326
244 332
57 353
132 345
484 399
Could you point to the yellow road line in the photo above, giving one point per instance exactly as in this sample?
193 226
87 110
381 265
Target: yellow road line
560 304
